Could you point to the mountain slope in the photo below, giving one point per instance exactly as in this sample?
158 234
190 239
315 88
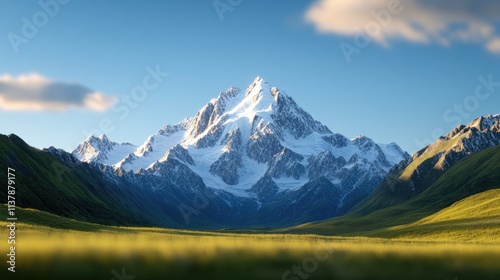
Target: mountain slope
56 182
256 148
101 149
426 166
474 174
474 207
475 218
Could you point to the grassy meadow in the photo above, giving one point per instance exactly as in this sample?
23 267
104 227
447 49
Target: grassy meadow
51 247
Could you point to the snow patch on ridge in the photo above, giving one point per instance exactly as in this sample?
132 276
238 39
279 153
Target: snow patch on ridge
259 111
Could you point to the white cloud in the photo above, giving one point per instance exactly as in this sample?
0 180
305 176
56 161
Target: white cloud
494 45
418 21
33 92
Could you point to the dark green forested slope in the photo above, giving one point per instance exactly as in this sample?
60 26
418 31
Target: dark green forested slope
76 191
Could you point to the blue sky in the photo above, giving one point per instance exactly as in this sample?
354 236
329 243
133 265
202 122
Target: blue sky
415 79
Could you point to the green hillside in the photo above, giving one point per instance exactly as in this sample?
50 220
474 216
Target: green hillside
75 191
41 219
484 205
475 218
472 175
426 167
53 247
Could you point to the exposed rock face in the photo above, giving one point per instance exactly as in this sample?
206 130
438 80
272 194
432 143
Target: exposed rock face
228 164
255 152
286 164
435 159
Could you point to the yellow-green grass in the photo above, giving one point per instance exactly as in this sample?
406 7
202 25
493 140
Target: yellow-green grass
475 218
152 253
391 205
485 205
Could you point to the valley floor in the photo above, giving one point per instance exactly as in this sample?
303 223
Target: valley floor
101 252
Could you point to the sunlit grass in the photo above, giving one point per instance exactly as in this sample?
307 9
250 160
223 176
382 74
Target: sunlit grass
475 219
479 206
179 254
94 251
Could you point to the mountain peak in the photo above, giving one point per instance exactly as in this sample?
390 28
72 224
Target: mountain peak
479 134
98 149
102 138
485 122
259 79
259 86
239 137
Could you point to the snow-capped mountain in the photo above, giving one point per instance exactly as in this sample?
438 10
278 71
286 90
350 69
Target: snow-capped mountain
102 150
422 172
256 144
480 134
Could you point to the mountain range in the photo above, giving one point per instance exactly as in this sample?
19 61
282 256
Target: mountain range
255 159
255 152
461 164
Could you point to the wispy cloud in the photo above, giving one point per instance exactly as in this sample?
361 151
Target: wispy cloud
33 92
494 46
420 21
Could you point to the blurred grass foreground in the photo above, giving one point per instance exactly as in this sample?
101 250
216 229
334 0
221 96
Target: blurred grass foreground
70 249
